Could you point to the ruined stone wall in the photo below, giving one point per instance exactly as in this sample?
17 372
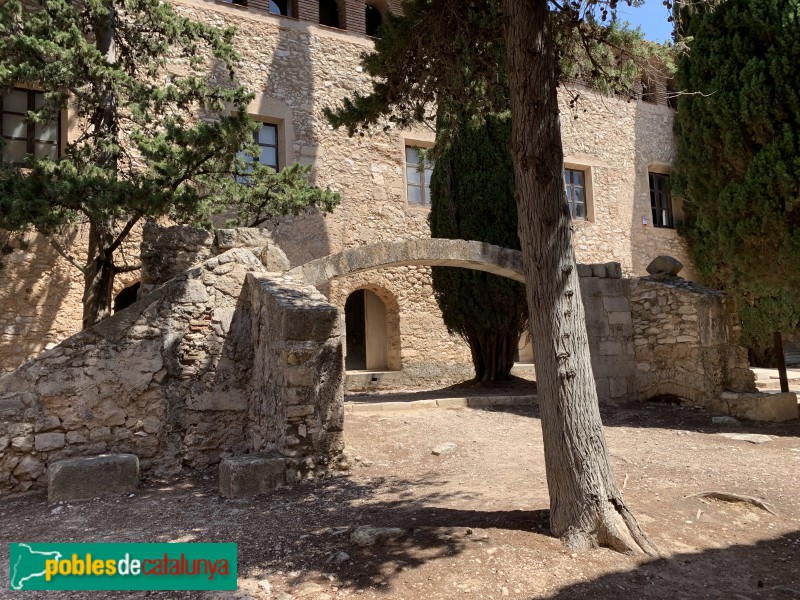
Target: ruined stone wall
222 360
687 341
296 392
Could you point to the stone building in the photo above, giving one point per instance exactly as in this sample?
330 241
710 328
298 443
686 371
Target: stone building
302 56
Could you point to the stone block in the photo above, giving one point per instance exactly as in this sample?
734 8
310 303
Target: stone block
78 478
245 476
584 270
664 265
614 270
617 304
49 441
761 407
598 270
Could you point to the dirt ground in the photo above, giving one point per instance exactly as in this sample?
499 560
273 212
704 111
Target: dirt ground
476 519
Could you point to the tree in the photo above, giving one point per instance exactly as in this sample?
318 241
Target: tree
472 197
738 167
162 123
444 49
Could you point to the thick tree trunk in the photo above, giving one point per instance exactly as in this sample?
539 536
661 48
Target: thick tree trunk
98 283
493 355
586 505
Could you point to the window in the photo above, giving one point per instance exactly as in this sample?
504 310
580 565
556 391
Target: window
280 7
372 20
418 177
329 13
575 188
660 200
22 137
266 137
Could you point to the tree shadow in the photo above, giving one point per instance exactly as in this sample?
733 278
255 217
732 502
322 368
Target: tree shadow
768 569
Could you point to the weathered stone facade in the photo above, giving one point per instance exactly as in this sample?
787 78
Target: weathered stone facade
297 69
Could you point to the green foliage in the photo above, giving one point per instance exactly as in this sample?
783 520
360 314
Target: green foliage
738 164
472 197
161 120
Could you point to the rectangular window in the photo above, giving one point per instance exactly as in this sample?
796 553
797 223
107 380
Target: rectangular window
660 200
22 137
575 188
418 177
266 137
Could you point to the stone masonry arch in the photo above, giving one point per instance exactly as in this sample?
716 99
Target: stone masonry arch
478 256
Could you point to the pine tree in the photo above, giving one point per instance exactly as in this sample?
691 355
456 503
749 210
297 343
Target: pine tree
738 165
472 198
161 121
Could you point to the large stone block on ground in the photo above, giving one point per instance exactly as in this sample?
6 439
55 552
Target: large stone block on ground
245 476
760 407
78 478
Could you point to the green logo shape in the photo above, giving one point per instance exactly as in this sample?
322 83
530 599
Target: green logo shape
90 566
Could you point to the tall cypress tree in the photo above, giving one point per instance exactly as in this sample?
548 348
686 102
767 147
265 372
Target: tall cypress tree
738 164
472 198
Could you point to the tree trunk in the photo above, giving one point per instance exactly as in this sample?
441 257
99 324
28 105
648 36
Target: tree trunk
98 283
586 505
492 355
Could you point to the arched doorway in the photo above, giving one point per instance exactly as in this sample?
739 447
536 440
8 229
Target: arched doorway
373 18
366 344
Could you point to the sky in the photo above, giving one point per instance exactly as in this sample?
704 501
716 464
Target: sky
651 17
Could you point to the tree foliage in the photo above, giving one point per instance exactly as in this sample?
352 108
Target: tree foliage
161 122
472 198
738 164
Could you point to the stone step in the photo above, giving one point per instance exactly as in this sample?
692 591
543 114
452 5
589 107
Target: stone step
251 475
83 478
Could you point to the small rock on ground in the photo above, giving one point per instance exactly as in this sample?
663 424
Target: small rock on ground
443 449
367 535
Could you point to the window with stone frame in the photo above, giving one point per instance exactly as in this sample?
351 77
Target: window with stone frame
266 138
23 137
418 177
575 188
661 200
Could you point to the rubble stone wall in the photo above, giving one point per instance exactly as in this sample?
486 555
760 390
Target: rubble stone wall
686 338
173 379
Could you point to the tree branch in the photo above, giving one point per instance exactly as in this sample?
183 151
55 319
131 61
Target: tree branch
127 268
125 231
71 259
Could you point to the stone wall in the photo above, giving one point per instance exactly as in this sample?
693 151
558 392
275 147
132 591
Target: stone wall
687 341
180 379
609 327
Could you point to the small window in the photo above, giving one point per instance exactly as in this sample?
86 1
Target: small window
22 137
329 13
280 7
266 137
373 18
418 177
660 200
575 188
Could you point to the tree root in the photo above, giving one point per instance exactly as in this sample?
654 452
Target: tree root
615 528
730 497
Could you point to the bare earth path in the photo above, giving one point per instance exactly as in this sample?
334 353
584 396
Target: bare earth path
476 518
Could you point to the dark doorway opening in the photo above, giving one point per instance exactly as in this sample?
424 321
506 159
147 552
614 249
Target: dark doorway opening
356 332
126 297
329 13
373 19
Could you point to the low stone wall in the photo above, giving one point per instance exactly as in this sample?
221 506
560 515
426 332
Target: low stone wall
687 341
192 373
